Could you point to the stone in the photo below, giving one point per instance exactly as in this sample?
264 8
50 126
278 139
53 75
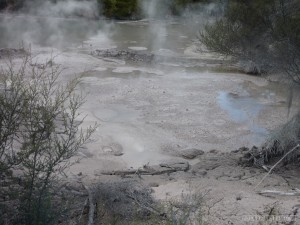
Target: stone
153 184
176 166
202 173
163 168
191 153
118 154
213 151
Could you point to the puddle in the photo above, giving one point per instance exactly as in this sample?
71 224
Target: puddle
115 113
137 48
126 72
239 109
244 110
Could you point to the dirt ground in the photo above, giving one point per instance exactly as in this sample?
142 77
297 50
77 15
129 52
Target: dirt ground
152 114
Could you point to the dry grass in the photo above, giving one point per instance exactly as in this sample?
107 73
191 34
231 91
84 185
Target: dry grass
283 140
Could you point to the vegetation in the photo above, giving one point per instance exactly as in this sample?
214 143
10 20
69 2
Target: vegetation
10 4
120 9
116 9
39 133
266 35
129 202
177 6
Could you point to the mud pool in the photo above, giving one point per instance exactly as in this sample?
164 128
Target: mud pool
148 112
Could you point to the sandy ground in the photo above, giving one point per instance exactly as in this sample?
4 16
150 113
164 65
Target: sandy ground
149 114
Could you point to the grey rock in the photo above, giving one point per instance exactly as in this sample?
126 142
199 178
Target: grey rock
153 184
191 153
163 168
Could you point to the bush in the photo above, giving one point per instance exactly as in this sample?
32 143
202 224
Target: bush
124 202
266 33
129 202
265 36
39 133
120 9
11 4
285 139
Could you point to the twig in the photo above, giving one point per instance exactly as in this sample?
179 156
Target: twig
268 192
150 209
82 211
279 161
91 207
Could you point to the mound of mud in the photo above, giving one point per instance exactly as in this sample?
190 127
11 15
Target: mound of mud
136 56
144 56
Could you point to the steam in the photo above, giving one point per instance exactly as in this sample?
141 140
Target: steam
44 31
149 8
153 8
66 23
44 23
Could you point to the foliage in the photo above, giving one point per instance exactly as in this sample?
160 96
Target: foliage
284 139
131 9
188 210
177 6
120 9
130 202
11 4
39 133
116 9
124 201
265 32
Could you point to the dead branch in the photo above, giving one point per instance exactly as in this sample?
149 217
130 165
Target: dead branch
281 193
83 208
140 172
91 206
151 170
279 161
148 208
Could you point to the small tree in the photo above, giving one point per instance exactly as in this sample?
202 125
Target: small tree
265 33
39 133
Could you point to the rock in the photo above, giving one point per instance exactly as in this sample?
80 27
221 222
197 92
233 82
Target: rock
213 151
238 197
207 165
243 149
152 170
202 173
153 184
118 154
191 153
177 166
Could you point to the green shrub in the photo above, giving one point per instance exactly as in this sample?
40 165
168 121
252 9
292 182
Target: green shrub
10 4
120 9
